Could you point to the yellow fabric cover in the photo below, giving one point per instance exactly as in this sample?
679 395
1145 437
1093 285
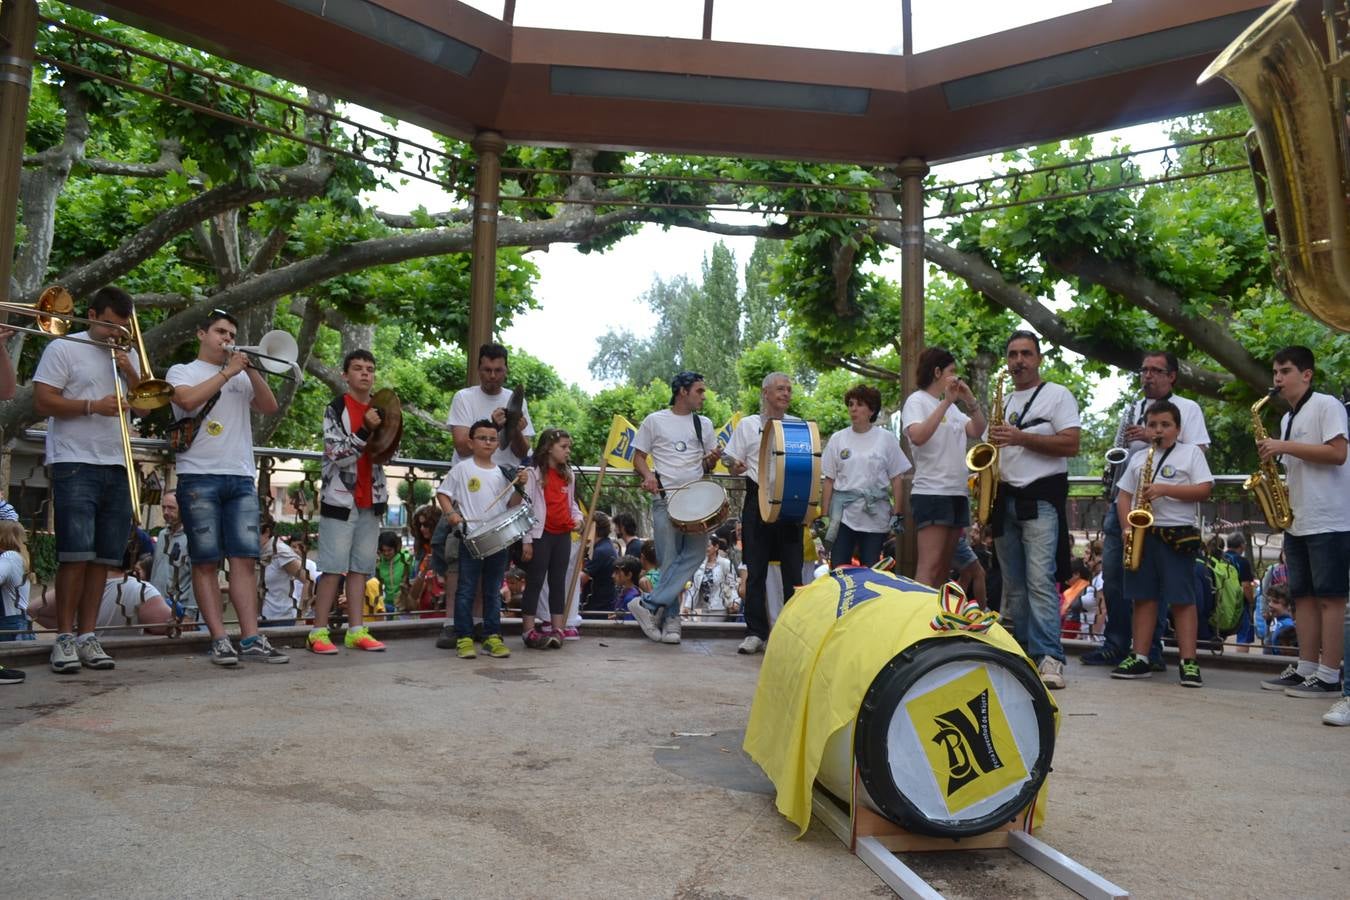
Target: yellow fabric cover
827 647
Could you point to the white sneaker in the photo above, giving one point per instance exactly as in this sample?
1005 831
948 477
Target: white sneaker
646 619
1339 714
751 644
670 629
1052 673
92 654
64 657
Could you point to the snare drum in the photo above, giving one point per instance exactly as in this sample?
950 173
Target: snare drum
500 532
789 470
698 507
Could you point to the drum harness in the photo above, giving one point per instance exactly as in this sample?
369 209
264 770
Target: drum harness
698 433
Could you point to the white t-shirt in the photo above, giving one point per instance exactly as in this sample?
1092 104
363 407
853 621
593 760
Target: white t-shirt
471 405
1193 430
122 600
279 601
224 442
744 445
1319 494
671 444
1054 411
13 584
863 461
474 488
82 372
940 464
298 586
1185 464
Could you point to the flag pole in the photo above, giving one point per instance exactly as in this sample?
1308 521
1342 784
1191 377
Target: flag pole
586 535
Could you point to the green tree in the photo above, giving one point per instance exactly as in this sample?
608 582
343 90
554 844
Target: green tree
713 337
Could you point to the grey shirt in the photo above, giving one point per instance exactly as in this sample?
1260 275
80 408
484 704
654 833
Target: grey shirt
170 568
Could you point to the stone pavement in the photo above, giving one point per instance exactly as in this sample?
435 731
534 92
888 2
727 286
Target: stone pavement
413 774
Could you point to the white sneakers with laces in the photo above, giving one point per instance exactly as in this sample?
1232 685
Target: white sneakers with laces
1339 714
1052 673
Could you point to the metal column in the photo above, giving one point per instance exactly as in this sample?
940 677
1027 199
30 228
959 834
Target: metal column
18 31
912 172
483 267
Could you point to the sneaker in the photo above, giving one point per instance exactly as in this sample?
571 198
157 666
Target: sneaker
1314 688
92 655
1102 656
1286 679
570 633
554 640
752 644
1339 714
1156 665
646 619
1133 667
12 676
1052 673
670 630
447 640
222 652
1190 674
360 639
536 639
495 647
319 642
261 650
64 658
465 648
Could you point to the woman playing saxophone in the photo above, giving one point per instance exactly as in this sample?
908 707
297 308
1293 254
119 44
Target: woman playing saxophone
1179 479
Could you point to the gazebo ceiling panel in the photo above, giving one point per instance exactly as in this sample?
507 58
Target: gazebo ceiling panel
456 70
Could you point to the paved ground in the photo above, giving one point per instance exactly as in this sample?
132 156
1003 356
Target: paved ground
411 774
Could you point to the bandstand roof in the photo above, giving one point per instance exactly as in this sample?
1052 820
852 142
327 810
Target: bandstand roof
692 82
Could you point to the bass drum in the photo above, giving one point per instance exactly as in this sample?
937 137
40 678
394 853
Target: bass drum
954 738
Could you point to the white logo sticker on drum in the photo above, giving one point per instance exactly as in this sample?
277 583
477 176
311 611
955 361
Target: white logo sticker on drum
474 484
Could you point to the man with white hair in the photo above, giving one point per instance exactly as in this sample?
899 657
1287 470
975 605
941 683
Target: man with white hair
763 541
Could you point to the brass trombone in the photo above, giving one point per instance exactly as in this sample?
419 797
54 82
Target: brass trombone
53 313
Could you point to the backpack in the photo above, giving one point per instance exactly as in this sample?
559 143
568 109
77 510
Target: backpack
1228 598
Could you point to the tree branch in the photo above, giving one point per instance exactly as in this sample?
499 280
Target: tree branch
441 219
867 370
170 152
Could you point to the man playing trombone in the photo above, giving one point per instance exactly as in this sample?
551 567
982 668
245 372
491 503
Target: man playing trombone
216 494
76 387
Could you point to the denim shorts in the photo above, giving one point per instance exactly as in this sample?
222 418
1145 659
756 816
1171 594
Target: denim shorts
939 509
1319 564
220 517
93 512
17 627
348 545
963 555
1163 574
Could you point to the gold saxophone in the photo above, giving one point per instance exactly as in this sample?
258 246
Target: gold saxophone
1265 483
1297 148
1140 516
982 461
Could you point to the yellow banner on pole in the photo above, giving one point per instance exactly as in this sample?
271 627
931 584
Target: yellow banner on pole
619 446
724 438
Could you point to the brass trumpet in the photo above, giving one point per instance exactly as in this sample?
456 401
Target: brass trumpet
982 461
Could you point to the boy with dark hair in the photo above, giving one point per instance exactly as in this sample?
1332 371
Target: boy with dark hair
1180 479
474 492
625 529
394 569
598 574
1312 446
352 503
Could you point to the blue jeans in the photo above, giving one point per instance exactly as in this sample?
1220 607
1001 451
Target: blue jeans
490 571
865 545
92 507
1026 553
220 517
679 555
1119 631
16 623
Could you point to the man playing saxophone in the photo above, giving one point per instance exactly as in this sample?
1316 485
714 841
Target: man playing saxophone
1157 379
1312 447
1030 528
1170 480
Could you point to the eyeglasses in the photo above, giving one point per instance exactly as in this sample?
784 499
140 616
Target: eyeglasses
1153 370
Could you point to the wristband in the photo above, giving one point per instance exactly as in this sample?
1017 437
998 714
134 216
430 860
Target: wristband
86 408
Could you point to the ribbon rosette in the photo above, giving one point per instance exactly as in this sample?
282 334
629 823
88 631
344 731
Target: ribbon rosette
960 613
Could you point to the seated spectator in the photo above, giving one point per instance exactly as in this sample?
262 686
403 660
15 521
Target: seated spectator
651 568
127 600
1281 636
598 574
302 589
627 571
712 593
15 575
513 589
281 569
394 569
427 591
373 607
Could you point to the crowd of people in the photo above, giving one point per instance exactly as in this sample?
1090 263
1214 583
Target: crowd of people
506 526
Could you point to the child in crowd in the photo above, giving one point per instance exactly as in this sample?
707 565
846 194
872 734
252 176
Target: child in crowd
1281 635
394 569
651 567
473 492
513 592
15 565
627 571
1180 480
547 549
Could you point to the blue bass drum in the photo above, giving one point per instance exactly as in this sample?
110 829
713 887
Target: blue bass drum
789 470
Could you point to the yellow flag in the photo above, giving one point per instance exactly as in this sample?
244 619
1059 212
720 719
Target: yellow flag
619 447
724 438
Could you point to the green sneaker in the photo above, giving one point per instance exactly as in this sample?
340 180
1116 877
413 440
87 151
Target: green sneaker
494 647
1190 674
360 639
465 649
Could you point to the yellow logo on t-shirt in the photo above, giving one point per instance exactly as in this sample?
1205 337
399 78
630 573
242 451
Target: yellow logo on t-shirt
474 484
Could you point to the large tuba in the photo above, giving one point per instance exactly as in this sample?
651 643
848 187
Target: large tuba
1140 516
982 460
1298 152
1265 483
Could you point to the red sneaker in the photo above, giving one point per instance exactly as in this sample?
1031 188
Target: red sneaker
360 639
318 642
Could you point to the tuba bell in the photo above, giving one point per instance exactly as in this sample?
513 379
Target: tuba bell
1297 148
